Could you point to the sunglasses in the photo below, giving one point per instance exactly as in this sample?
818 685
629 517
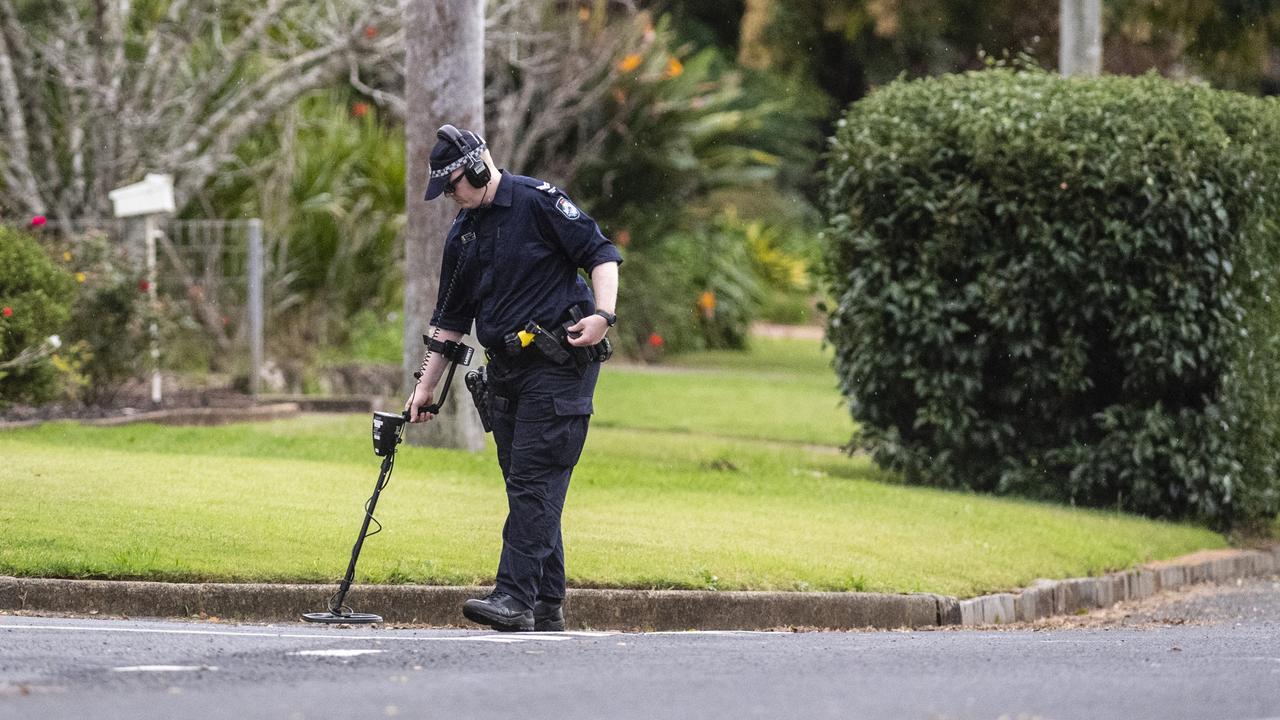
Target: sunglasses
451 185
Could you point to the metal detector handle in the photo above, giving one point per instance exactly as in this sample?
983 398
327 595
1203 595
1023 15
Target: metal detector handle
457 353
434 408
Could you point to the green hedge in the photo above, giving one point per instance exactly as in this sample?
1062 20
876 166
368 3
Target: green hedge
35 296
1064 289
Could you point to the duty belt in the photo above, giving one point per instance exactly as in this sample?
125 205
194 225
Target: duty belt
552 344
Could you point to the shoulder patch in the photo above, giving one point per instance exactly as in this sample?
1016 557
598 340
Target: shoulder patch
567 208
547 187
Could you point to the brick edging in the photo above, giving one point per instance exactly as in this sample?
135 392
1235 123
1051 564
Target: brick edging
1047 598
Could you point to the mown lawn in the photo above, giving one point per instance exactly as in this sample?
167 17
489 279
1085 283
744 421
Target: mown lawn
720 476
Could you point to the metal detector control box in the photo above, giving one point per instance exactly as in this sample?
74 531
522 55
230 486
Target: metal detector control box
388 428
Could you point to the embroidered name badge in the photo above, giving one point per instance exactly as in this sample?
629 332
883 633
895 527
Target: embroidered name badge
567 208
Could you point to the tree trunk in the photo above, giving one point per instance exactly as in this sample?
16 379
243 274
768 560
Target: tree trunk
753 51
1080 35
444 83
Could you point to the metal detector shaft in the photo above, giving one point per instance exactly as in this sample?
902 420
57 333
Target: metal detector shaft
336 605
388 431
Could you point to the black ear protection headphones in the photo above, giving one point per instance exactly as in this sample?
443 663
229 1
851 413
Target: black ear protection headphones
474 170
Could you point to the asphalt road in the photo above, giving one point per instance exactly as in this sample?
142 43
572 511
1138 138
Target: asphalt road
1210 653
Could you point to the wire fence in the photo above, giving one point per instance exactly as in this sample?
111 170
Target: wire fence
204 278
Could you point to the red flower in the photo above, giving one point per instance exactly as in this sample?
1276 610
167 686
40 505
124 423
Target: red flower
8 312
143 285
655 340
360 109
38 221
370 32
623 238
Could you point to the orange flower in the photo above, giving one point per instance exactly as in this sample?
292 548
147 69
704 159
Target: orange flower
629 63
674 68
584 13
623 238
360 109
370 32
707 303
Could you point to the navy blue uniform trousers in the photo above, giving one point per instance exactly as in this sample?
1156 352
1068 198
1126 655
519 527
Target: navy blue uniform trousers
541 410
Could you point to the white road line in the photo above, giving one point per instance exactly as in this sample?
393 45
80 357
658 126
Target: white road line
226 633
515 638
165 668
336 652
719 632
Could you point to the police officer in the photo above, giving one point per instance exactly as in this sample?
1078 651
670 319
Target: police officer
512 258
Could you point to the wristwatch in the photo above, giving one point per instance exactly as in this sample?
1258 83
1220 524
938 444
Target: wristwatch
608 316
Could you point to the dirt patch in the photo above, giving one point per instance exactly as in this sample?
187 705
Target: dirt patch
790 332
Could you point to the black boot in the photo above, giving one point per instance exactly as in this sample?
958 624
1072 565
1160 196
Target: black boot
499 611
548 616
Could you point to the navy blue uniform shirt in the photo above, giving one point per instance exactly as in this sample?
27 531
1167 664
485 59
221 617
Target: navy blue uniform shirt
521 259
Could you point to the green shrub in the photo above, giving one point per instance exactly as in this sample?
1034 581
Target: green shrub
34 298
1063 289
689 290
108 317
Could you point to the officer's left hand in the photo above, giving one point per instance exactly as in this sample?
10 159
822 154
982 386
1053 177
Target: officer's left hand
591 328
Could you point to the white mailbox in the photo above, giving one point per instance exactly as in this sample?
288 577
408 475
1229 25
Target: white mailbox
153 195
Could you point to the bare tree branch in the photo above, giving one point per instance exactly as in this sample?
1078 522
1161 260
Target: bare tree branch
197 169
233 60
77 119
391 102
176 30
109 24
244 99
39 125
18 172
556 66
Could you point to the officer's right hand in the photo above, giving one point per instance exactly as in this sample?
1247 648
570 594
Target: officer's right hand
421 397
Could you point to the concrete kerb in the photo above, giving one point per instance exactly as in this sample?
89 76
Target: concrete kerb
643 609
440 606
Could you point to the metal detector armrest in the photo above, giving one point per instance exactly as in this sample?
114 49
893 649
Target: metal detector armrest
453 351
457 354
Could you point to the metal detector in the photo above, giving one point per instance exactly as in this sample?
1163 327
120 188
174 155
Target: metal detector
388 431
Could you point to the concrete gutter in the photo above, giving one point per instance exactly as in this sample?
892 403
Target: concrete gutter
643 609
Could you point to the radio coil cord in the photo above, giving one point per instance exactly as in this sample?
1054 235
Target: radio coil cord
467 239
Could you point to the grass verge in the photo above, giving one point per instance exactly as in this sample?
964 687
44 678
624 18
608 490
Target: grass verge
665 507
